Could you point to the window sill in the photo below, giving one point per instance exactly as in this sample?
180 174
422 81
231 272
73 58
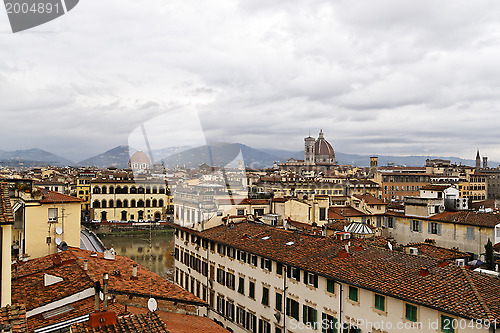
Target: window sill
353 302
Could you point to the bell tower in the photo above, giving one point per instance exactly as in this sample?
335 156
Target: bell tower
309 150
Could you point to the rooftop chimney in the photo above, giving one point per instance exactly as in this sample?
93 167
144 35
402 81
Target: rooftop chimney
85 264
104 317
424 271
134 272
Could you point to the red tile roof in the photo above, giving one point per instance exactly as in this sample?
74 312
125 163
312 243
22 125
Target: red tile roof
13 319
181 323
437 252
6 216
143 323
370 199
449 289
347 211
56 197
489 220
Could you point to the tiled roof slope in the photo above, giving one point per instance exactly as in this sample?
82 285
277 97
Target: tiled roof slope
437 252
370 199
30 289
144 323
120 278
448 289
469 218
181 323
13 319
57 197
6 216
80 308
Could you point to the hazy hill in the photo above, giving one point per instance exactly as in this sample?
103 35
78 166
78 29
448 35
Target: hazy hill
32 157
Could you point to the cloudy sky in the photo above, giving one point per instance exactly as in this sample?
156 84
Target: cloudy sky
380 77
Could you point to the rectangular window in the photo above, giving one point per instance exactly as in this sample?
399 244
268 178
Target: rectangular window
264 326
241 316
411 312
322 214
220 304
279 302
328 323
243 256
251 323
230 311
265 264
353 294
330 286
265 296
416 226
311 279
292 308
294 273
221 276
379 302
279 268
470 233
434 228
310 316
240 212
253 259
447 324
241 285
230 280
52 214
251 290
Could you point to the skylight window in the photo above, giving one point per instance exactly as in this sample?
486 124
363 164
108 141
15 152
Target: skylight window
290 243
266 238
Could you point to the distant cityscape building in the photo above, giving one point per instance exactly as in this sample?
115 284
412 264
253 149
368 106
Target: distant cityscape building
139 161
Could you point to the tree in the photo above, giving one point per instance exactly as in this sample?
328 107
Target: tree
489 255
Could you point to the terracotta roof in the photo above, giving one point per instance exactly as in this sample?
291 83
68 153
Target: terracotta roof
434 187
77 309
347 211
479 219
57 197
243 202
437 252
6 216
120 278
181 323
370 199
333 215
13 319
30 289
143 323
449 289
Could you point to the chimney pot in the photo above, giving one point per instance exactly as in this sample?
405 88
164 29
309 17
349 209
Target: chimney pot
85 265
134 272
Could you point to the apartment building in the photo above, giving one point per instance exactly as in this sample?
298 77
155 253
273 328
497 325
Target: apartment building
258 278
129 199
398 185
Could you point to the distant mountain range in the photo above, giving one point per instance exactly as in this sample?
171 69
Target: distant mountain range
217 154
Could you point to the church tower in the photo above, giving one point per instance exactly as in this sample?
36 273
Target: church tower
478 161
309 150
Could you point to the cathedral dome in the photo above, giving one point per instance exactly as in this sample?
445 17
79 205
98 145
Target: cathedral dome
139 161
323 147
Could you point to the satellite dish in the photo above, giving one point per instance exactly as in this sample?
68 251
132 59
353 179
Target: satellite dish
277 315
63 246
152 305
389 245
59 231
58 240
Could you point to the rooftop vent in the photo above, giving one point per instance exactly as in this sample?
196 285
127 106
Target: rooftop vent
290 243
266 238
424 271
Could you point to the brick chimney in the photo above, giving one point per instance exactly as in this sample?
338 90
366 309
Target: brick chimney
104 317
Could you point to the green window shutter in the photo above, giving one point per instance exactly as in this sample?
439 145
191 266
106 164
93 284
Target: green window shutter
304 314
315 318
447 324
420 226
429 227
289 271
411 312
353 294
315 281
305 277
279 300
379 302
287 306
330 286
439 229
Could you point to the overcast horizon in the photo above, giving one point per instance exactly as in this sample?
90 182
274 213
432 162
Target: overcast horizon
380 78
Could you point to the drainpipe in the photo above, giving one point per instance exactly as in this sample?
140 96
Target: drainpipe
285 274
340 306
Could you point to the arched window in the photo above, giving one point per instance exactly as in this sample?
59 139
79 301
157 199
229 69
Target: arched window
140 190
162 190
160 203
154 202
118 190
110 203
125 203
155 190
148 203
125 190
119 203
132 203
133 190
96 204
111 190
103 203
96 190
140 203
104 190
148 190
